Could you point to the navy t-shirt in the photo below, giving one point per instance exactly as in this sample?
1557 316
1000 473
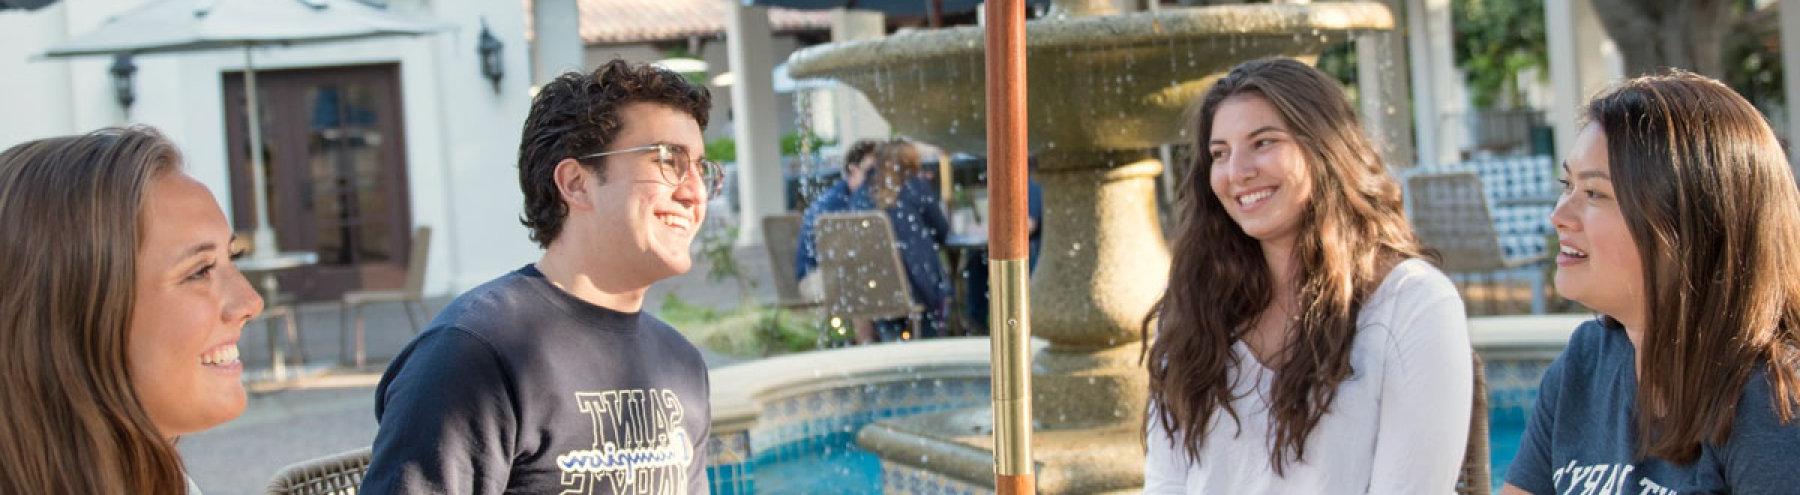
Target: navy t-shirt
1581 438
519 387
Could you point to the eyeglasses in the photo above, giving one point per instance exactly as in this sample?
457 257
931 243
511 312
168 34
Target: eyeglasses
672 160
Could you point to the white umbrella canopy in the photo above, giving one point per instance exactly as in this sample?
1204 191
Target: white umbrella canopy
191 25
164 26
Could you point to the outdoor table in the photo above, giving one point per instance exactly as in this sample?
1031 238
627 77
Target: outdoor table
267 267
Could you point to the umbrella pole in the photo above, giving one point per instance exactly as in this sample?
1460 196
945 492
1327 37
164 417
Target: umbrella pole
264 237
1009 252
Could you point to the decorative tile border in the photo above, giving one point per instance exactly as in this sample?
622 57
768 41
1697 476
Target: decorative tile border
729 471
800 423
806 416
902 479
1513 387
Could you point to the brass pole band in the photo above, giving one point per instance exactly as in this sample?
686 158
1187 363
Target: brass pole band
1011 324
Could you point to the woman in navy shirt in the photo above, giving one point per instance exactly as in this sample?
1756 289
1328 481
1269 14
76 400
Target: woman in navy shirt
1677 223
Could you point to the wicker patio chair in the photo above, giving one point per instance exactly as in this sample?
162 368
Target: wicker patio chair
1476 476
336 474
863 276
1450 214
781 234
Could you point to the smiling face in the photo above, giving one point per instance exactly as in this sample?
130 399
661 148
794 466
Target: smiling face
640 216
1259 172
191 307
1598 264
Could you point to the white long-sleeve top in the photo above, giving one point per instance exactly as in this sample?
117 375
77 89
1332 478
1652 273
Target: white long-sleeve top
1399 425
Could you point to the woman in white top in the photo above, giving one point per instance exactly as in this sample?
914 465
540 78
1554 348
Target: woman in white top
1302 346
120 317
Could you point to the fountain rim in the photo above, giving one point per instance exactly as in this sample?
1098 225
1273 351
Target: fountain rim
1120 29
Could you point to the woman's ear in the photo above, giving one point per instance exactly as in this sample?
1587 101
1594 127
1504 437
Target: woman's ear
572 184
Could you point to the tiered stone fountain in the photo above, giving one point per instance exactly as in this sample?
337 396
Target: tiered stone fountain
1105 87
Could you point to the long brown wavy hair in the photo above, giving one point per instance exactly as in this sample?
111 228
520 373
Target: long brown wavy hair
70 420
898 162
1352 231
1708 197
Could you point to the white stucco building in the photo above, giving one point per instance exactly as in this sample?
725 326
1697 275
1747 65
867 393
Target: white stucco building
366 139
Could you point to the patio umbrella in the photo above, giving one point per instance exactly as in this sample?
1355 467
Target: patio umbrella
900 8
165 26
24 4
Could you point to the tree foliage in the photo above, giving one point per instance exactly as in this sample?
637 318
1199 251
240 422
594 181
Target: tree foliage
1495 41
1753 59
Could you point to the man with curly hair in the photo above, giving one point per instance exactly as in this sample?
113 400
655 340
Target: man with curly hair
551 379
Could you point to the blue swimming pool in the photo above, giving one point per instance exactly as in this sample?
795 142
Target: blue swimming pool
804 440
1503 445
839 466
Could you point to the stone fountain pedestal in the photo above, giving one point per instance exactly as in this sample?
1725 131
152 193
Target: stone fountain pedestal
1103 265
1103 89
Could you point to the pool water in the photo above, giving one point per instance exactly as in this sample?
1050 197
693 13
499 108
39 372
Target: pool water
1503 445
843 468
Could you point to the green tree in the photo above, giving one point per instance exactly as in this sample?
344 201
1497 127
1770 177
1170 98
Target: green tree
1753 58
1495 41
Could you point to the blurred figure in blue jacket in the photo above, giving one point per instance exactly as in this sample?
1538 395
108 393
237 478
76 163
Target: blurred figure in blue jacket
885 176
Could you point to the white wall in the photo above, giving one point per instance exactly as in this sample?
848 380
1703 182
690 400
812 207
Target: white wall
478 148
461 135
46 112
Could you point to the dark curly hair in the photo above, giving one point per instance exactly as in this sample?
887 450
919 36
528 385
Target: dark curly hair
578 114
859 150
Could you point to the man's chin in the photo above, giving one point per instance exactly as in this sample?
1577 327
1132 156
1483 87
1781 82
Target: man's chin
677 264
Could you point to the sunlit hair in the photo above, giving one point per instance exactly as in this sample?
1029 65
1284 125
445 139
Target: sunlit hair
1352 231
70 420
898 162
1708 197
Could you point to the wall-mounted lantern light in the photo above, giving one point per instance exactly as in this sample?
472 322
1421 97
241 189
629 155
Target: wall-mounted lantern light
123 72
489 50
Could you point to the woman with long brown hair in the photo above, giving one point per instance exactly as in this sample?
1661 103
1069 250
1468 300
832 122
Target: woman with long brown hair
1302 345
1679 221
120 318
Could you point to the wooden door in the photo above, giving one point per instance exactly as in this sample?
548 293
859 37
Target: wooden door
334 143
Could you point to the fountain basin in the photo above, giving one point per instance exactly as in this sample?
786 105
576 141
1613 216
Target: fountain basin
774 414
1101 91
1101 82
